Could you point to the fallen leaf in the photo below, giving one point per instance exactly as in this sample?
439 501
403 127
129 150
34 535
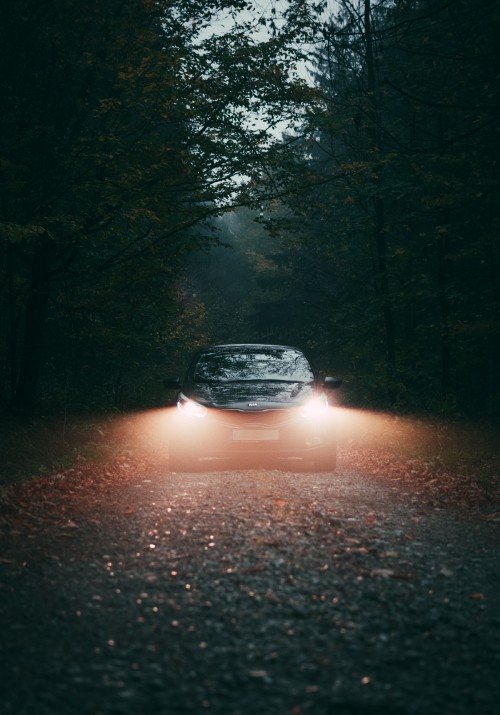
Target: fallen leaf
445 572
383 573
495 516
258 673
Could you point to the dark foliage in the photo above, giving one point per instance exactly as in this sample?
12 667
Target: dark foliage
391 255
123 127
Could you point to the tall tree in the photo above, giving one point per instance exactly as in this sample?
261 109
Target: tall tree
125 126
398 184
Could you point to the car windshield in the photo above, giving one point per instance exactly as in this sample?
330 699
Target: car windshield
271 364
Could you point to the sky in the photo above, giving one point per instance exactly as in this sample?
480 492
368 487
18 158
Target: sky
264 9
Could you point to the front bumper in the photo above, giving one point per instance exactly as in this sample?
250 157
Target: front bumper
226 432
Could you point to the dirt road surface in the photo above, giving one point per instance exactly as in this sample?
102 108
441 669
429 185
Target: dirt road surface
134 590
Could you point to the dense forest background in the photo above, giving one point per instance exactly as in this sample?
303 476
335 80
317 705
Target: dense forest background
176 173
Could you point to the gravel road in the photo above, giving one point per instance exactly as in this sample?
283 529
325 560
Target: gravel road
245 592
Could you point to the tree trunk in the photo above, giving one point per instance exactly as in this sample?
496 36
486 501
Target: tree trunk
443 281
379 205
11 329
383 282
34 330
494 337
444 310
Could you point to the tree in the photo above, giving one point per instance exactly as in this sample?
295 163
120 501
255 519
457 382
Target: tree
125 126
397 187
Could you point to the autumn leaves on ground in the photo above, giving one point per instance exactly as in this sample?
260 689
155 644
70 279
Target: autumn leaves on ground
457 463
129 588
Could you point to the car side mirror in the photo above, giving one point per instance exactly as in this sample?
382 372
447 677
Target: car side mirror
171 384
332 383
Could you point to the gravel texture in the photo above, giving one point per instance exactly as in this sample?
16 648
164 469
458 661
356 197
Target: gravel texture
129 590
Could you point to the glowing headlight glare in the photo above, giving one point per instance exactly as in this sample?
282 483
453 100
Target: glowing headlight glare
315 408
190 408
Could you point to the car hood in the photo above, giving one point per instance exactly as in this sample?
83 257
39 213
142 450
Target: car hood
251 394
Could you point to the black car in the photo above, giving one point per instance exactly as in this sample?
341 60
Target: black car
262 400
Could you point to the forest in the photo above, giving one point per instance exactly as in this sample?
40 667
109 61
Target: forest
175 173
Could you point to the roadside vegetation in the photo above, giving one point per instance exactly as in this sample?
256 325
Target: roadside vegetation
452 464
177 174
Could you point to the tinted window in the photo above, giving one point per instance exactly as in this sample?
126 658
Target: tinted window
268 364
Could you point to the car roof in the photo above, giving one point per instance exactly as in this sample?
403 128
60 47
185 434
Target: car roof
244 346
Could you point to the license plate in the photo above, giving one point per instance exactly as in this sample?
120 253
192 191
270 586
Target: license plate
255 435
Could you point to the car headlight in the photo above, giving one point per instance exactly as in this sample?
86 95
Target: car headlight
315 408
190 408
